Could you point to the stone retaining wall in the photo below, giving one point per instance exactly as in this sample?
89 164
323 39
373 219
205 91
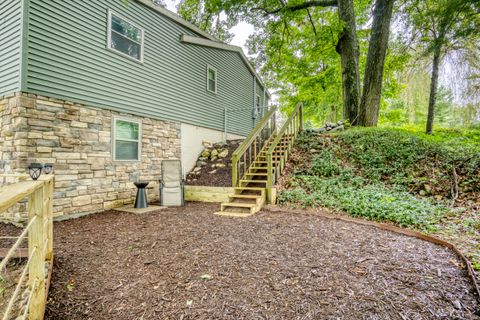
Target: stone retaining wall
77 140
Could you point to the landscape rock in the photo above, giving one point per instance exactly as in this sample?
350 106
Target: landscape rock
220 145
207 144
213 171
339 128
206 153
223 153
213 153
219 165
201 163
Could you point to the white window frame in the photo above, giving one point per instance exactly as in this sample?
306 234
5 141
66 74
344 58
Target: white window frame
114 138
209 67
109 36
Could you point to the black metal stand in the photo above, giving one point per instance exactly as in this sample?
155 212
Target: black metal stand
141 199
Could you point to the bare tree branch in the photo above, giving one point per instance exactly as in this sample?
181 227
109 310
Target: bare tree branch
293 8
311 22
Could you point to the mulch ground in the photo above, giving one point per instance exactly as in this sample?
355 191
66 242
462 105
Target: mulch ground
222 177
185 263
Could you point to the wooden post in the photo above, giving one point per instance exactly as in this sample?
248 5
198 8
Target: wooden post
36 269
301 117
269 177
234 170
49 232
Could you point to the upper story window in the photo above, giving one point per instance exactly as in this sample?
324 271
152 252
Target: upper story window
124 37
127 140
211 79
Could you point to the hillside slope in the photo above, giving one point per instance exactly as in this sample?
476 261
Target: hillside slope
428 183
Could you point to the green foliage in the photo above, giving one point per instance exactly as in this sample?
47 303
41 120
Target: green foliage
325 164
379 173
372 201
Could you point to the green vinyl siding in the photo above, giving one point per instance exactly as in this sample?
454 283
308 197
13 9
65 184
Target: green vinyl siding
10 45
68 59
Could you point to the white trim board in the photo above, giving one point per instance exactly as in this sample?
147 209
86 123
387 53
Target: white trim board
223 46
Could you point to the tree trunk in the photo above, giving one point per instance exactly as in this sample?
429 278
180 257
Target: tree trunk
377 49
349 51
433 90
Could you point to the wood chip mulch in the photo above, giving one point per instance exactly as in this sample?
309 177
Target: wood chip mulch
185 263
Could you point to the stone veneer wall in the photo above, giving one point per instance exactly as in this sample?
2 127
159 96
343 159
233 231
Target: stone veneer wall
77 140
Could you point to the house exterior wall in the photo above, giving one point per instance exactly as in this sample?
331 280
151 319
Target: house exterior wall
192 138
77 139
10 45
69 60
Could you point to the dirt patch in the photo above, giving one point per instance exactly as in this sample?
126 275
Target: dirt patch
210 175
185 263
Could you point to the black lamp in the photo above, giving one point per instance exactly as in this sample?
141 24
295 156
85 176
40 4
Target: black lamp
35 170
47 168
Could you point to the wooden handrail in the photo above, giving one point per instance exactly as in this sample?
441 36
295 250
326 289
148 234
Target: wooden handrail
292 126
252 145
40 241
254 133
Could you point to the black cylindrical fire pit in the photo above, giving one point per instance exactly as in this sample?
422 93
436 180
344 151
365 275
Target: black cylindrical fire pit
141 198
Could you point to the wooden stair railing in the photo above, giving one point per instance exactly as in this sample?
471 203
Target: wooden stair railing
285 138
247 151
264 153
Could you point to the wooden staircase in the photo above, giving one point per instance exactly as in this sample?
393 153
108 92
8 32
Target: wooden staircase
258 162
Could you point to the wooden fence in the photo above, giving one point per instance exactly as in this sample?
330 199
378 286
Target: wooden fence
32 282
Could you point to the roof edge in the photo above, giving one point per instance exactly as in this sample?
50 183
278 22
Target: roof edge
228 47
176 18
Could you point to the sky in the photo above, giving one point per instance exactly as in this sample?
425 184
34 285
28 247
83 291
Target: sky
241 31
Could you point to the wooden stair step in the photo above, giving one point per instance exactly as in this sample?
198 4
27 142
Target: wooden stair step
258 199
239 190
260 168
253 181
252 207
256 174
245 196
263 161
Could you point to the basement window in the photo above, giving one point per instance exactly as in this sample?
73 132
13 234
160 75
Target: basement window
211 79
127 140
124 37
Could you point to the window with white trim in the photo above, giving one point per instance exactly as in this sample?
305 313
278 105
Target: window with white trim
126 139
124 37
211 79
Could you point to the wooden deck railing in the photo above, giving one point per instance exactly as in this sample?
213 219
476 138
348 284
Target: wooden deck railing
39 230
290 130
248 150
